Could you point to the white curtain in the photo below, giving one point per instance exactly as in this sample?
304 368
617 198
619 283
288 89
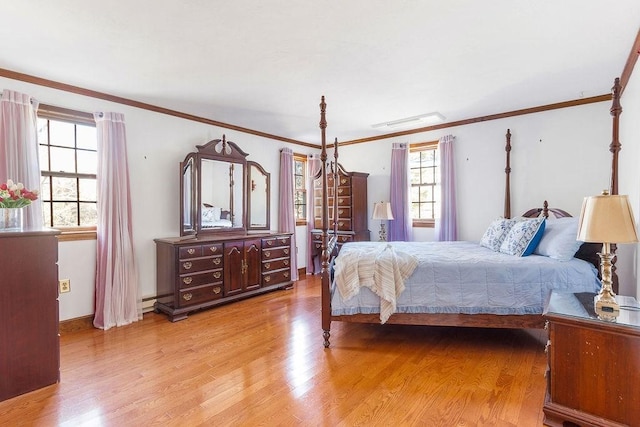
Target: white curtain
117 301
19 159
446 224
286 214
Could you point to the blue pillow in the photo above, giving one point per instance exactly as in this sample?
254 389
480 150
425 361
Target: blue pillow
523 238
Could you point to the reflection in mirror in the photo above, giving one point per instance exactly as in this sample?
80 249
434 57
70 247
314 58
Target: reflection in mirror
221 194
188 173
258 203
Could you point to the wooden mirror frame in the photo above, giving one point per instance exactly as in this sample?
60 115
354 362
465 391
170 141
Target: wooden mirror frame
251 196
191 201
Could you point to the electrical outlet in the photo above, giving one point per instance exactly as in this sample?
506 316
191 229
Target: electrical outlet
65 285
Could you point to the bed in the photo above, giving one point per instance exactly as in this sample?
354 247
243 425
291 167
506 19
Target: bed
512 291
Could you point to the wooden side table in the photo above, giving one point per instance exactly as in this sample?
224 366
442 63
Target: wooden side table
593 377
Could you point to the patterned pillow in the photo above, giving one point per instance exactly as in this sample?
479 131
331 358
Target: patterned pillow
523 238
496 233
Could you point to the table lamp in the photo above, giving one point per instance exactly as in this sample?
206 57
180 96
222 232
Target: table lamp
382 211
607 219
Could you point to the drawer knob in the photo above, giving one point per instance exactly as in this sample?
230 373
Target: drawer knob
343 181
216 261
267 279
341 224
285 274
191 251
267 265
187 280
269 242
216 290
286 262
213 248
267 254
187 296
217 275
340 190
187 265
340 211
286 251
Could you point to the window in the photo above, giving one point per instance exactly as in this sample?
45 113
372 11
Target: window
423 169
300 190
68 163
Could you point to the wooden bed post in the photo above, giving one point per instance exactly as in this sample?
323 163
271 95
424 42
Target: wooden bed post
614 148
507 171
325 274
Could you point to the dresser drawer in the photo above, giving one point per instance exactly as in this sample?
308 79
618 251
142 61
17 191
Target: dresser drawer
275 264
344 201
199 264
187 252
200 294
275 253
276 277
276 241
212 249
344 191
344 224
198 279
344 212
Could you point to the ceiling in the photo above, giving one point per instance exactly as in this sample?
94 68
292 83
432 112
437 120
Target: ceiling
263 65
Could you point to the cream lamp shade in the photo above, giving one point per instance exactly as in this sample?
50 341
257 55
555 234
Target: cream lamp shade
382 210
607 218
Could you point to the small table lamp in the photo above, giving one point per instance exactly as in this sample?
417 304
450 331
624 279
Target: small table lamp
607 219
382 211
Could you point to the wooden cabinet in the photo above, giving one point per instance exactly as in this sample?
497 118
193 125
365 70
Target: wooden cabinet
194 274
594 365
351 197
29 326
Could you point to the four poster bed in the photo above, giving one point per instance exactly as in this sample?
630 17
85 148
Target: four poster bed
456 283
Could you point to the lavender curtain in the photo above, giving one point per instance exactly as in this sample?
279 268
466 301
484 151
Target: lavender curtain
314 164
401 227
19 159
446 225
286 213
117 301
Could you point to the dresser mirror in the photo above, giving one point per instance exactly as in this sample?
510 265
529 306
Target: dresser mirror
258 201
216 190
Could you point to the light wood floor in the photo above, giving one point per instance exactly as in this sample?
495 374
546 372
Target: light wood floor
261 362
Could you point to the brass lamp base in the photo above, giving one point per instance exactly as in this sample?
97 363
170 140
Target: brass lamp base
604 303
606 307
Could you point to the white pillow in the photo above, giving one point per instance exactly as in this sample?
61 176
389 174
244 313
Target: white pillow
523 238
495 234
211 214
559 239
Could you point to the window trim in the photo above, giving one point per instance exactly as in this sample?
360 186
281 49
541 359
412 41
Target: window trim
422 146
51 112
302 158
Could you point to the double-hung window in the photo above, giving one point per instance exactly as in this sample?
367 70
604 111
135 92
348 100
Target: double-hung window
424 193
68 163
300 189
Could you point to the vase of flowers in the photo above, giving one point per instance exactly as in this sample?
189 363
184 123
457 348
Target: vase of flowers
13 198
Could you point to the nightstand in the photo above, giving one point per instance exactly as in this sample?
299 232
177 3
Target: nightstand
593 377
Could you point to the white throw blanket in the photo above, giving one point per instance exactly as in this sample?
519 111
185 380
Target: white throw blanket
383 271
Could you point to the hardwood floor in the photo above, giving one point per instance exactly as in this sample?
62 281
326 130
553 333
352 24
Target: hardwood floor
261 362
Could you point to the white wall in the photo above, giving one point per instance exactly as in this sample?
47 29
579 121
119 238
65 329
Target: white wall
560 156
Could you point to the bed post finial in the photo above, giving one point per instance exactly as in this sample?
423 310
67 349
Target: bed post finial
545 209
507 171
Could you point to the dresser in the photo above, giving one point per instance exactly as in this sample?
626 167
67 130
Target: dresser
198 273
593 376
351 196
29 332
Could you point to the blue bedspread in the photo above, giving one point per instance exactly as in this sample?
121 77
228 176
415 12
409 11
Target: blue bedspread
464 277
